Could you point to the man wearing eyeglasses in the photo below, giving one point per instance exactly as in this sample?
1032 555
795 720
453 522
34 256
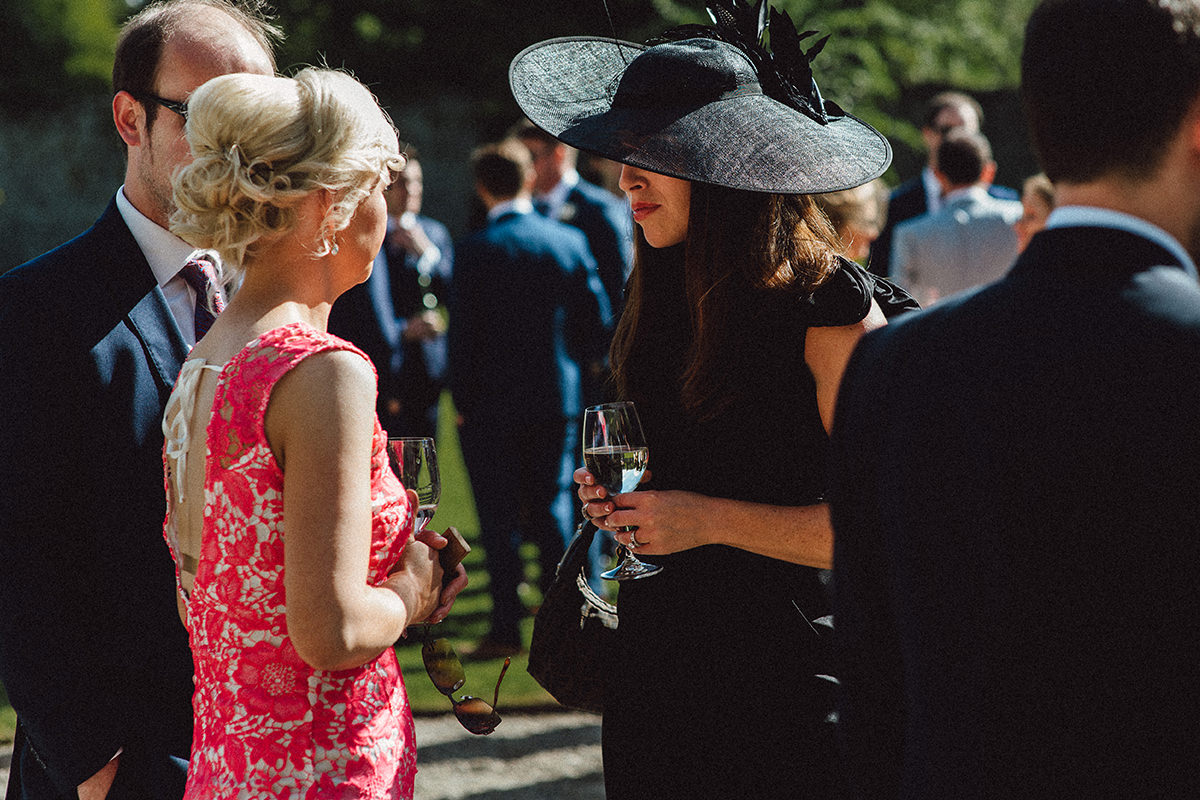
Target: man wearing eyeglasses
92 335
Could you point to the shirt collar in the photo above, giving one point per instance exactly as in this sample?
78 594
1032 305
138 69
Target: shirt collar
517 205
165 252
555 198
1095 217
975 191
933 190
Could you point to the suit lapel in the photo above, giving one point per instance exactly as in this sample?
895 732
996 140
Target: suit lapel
154 326
131 286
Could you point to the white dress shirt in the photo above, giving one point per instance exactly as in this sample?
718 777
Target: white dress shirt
167 254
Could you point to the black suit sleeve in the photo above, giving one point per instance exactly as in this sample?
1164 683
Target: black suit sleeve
869 669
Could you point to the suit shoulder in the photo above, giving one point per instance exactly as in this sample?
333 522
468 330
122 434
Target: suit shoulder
42 283
597 195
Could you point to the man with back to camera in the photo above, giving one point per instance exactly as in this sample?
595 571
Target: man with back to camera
970 240
1014 494
561 194
92 335
944 112
528 311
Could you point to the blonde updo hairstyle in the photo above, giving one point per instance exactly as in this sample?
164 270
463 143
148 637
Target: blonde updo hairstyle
261 144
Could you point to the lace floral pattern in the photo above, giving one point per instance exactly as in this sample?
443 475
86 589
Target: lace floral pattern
267 724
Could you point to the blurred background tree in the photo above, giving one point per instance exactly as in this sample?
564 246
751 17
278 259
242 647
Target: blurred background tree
441 68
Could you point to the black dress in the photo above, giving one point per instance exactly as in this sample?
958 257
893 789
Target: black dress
720 686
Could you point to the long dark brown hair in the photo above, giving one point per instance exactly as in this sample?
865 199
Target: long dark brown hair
738 243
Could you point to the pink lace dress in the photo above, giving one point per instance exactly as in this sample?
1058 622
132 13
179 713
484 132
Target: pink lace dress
267 724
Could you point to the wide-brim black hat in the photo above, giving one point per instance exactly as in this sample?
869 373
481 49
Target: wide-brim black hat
692 109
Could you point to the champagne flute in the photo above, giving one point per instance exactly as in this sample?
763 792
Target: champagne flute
615 452
415 461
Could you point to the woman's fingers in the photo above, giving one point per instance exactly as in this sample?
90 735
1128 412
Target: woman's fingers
588 490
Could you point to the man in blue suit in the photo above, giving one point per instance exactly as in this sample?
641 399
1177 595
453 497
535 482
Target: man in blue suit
945 112
393 315
560 193
92 653
528 315
420 266
1015 493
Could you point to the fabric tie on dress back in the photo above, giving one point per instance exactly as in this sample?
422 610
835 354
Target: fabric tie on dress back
198 273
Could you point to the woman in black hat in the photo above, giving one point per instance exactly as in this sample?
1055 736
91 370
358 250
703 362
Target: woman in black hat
740 317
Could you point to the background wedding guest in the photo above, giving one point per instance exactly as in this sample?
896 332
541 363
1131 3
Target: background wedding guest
272 427
92 334
420 258
739 318
1037 201
529 313
944 112
1015 495
969 240
392 315
560 193
857 216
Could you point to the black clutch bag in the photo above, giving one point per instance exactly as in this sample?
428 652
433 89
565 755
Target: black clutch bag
574 632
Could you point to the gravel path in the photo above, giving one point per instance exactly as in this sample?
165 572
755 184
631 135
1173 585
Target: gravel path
550 756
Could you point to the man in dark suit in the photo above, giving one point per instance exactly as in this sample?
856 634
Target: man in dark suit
92 653
393 315
1014 498
528 313
945 112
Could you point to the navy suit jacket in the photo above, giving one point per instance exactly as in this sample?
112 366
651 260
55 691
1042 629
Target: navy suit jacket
528 312
1015 509
905 202
606 222
92 653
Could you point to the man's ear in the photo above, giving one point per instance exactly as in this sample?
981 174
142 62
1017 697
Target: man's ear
1192 127
942 180
988 173
129 116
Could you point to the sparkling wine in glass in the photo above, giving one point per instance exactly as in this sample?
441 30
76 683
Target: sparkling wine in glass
615 452
415 461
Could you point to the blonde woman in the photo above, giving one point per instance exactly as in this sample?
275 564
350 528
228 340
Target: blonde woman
298 568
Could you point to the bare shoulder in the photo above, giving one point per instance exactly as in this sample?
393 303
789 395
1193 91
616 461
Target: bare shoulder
328 394
826 346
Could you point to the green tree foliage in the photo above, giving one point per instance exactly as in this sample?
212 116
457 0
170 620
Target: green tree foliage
422 49
55 50
884 55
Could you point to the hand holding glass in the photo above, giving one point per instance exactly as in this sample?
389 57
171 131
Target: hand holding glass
615 452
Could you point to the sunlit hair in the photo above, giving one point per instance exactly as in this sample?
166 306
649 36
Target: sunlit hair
737 243
261 145
1040 187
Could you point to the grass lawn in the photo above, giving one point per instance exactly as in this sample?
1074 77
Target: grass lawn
467 623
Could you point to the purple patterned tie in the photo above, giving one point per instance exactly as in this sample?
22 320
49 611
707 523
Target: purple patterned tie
199 275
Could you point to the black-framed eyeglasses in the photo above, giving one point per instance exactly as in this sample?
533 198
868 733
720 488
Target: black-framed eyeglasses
178 106
446 671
